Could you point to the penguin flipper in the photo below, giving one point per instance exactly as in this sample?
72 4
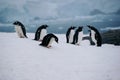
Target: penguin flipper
24 31
67 40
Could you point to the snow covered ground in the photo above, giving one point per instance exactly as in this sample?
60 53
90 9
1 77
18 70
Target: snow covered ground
24 59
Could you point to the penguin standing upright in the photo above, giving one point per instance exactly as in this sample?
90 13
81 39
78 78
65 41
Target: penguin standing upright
20 29
95 36
69 34
78 36
40 33
48 39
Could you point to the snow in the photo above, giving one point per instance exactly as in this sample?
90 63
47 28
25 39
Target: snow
24 59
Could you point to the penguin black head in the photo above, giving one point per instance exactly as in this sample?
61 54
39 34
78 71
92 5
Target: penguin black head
92 28
18 23
43 26
80 28
88 26
56 39
73 27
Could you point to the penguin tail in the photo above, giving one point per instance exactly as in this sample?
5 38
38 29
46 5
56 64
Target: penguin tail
99 45
67 41
26 36
41 44
35 39
73 43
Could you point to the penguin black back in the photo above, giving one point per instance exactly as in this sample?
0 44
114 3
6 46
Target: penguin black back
68 33
38 31
76 35
47 38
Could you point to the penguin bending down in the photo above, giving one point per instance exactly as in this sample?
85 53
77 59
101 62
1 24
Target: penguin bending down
69 34
78 36
20 29
40 33
95 36
48 39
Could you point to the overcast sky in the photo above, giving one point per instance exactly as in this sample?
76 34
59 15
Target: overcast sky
60 8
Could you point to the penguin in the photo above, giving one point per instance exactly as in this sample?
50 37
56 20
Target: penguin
20 29
41 32
95 36
69 34
48 39
78 36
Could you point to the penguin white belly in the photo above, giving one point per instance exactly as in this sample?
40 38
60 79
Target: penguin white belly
80 36
50 42
42 34
71 36
93 37
19 31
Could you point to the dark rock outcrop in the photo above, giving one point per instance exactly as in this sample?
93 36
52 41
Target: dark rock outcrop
111 37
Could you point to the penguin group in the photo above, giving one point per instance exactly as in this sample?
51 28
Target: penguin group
76 37
72 36
40 34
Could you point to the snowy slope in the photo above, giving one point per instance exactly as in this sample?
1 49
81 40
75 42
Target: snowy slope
24 59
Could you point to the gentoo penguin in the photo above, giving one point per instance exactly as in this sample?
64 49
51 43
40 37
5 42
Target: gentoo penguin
48 39
78 36
40 33
69 34
95 36
20 29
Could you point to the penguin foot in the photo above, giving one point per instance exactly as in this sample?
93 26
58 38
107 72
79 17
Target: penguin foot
22 37
40 40
49 46
78 44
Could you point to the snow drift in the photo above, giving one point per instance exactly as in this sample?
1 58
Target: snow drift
24 59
